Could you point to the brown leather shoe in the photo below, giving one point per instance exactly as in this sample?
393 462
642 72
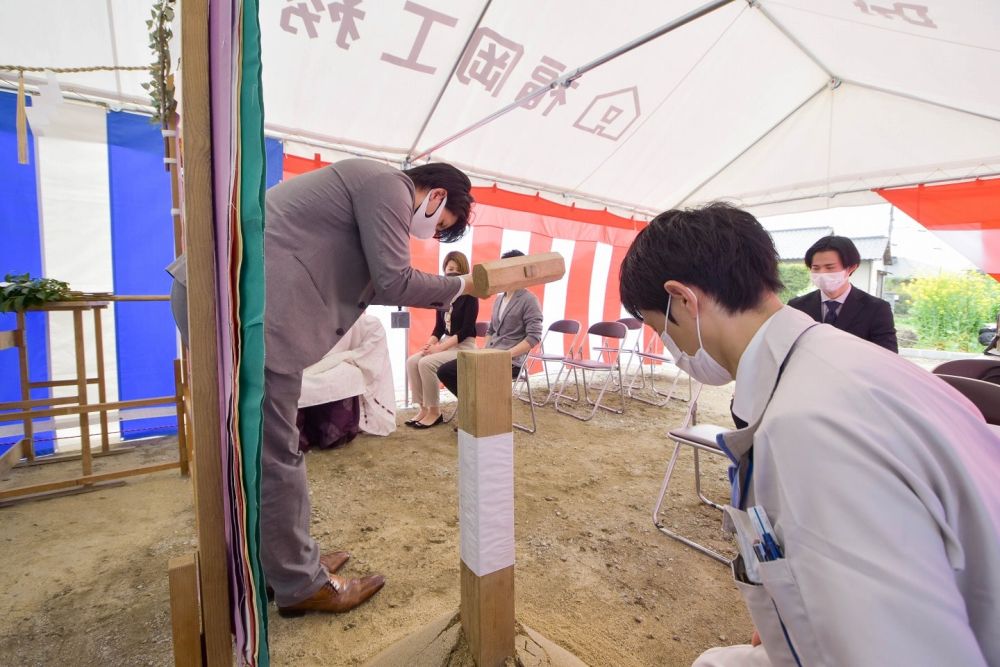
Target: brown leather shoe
332 561
337 596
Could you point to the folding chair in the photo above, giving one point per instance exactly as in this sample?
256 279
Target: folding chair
645 356
523 377
632 324
985 368
984 395
608 331
701 438
563 328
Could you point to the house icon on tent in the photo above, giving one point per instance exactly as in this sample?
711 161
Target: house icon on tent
610 114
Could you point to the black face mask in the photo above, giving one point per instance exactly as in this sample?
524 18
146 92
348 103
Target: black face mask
452 274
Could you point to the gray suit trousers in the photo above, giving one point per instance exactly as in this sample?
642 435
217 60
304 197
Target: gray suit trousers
289 554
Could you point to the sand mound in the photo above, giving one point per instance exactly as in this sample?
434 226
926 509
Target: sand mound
441 643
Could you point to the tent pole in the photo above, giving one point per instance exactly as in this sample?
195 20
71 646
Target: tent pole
746 150
922 100
855 191
793 39
565 80
444 88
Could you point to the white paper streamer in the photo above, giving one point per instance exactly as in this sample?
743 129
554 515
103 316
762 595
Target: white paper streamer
486 501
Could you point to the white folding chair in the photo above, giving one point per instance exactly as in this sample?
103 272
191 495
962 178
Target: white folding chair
611 365
700 438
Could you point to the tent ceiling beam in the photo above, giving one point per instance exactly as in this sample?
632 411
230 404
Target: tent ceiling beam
855 191
635 131
756 4
285 135
447 82
922 100
684 200
395 157
556 190
114 46
83 93
392 153
567 79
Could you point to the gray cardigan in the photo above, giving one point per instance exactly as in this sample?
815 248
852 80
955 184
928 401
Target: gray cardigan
522 319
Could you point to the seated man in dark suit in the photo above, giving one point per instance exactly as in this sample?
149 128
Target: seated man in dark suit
832 260
515 325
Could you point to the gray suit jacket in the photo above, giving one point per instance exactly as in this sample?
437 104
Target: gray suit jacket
522 319
336 240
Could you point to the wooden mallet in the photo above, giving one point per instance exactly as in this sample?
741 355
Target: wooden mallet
507 275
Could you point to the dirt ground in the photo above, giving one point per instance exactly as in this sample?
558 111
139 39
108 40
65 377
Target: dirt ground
85 578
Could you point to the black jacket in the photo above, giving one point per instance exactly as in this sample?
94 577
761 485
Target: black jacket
862 314
464 312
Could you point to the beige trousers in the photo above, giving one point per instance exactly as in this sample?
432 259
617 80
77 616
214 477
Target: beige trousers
422 371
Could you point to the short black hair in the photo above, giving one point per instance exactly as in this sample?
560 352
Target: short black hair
443 175
718 248
512 253
843 246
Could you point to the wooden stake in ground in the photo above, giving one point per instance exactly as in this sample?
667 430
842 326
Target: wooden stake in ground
486 504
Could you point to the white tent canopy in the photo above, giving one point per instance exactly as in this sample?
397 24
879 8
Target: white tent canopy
780 106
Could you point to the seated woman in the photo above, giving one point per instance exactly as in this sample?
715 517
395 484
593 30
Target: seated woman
454 330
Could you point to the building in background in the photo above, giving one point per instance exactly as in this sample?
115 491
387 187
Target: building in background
792 245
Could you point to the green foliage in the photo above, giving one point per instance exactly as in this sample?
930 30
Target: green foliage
904 300
796 279
20 292
948 310
160 86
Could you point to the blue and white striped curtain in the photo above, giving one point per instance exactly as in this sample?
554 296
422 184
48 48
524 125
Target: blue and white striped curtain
93 208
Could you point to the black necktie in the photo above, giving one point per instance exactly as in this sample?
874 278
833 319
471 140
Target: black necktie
831 312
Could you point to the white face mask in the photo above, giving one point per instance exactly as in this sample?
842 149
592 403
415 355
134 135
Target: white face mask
829 282
423 226
702 367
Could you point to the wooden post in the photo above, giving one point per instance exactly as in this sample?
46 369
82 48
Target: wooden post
182 448
10 457
170 148
184 610
486 504
22 355
102 389
204 335
81 390
86 480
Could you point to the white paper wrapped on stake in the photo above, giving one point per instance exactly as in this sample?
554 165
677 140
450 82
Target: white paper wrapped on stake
486 501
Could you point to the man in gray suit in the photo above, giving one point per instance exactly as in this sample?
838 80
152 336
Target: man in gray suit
515 325
336 240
